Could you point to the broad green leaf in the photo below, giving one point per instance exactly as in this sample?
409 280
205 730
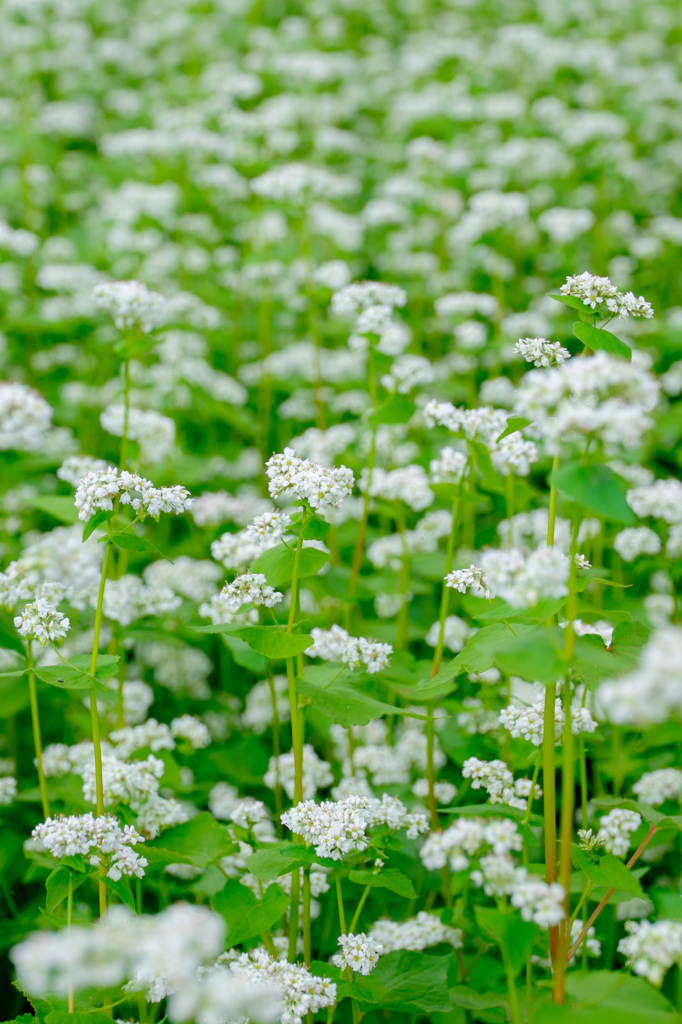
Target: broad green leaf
13 693
478 655
481 456
131 542
58 506
57 886
277 564
99 517
364 989
122 890
271 862
628 640
388 878
245 915
198 841
26 1018
414 981
514 423
607 871
347 700
470 999
315 529
270 641
536 657
595 339
398 409
503 612
66 678
107 664
243 655
615 997
510 932
597 488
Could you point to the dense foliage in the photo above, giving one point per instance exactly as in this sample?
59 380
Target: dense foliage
340 511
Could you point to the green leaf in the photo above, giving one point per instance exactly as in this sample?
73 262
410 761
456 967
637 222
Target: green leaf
597 488
573 302
481 456
243 655
536 657
509 931
607 871
478 655
277 564
26 1018
66 678
614 997
596 339
131 542
198 841
348 700
397 409
648 813
388 878
58 506
107 664
57 886
315 529
13 693
245 915
99 517
9 638
628 640
271 862
514 423
122 890
470 999
414 980
270 641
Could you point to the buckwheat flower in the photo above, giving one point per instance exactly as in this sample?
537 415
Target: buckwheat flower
409 372
131 304
496 875
466 838
590 943
651 948
94 838
249 813
125 782
449 467
656 787
652 692
41 621
615 829
250 588
222 800
155 735
75 467
271 525
298 479
361 295
456 632
541 352
216 994
415 933
96 492
298 183
25 418
336 644
635 541
127 599
528 722
359 952
496 778
409 484
661 500
473 579
316 773
537 900
191 729
302 992
588 840
154 433
8 790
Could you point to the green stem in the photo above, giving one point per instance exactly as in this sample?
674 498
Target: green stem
529 808
514 1004
69 920
37 742
94 716
548 741
430 766
551 519
358 909
339 900
359 548
307 950
276 750
445 594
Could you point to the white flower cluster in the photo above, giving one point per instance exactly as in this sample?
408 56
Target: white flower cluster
661 499
127 599
271 525
317 774
387 763
521 580
8 790
416 933
393 547
653 691
154 433
300 480
168 946
456 632
538 901
159 736
359 952
302 992
41 621
541 352
337 828
363 295
407 483
409 372
94 838
466 838
336 644
97 491
600 397
496 778
25 417
75 467
600 294
656 787
449 467
55 559
131 304
651 948
528 722
635 541
249 588
616 828
298 182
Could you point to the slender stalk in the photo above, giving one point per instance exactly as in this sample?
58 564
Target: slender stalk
595 914
296 742
307 951
362 526
551 519
529 808
445 594
358 909
339 901
430 767
94 717
276 750
35 722
548 752
514 1004
69 919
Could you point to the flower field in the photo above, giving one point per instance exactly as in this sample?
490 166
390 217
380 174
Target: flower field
340 512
